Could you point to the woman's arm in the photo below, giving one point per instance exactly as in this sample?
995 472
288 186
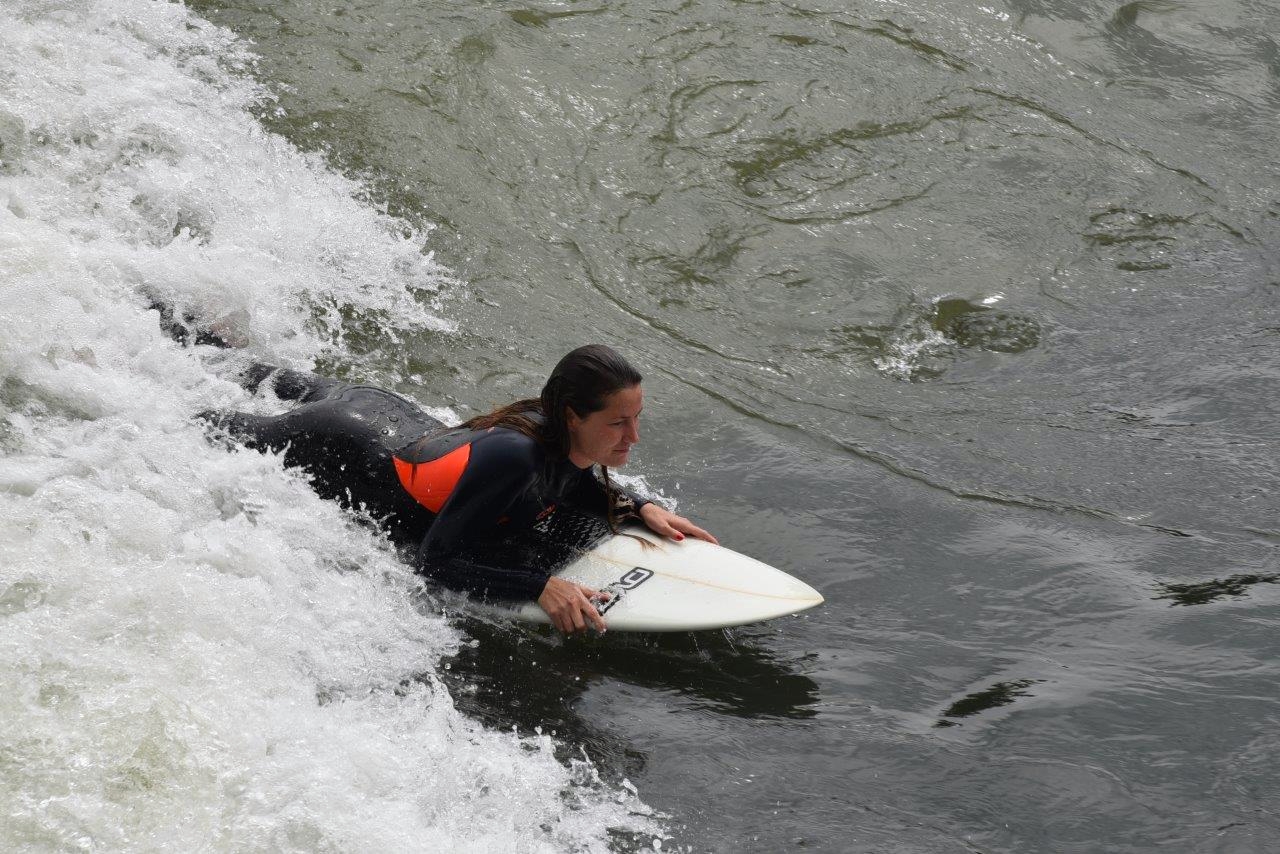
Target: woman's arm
592 493
467 549
662 521
495 572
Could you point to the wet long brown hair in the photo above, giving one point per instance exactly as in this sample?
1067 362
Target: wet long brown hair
582 381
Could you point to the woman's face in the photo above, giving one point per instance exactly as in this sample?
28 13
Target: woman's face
606 436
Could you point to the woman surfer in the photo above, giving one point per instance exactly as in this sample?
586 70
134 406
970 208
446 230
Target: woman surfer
466 495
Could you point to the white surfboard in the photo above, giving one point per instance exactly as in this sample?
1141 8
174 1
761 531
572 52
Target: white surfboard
679 587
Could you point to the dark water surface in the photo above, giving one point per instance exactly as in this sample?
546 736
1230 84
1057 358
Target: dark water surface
967 315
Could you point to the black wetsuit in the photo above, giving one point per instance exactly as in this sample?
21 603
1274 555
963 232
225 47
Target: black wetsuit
466 498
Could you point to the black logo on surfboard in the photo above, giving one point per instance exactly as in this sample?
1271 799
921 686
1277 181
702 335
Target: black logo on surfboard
630 580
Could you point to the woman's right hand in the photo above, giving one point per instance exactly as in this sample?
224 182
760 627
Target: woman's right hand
570 607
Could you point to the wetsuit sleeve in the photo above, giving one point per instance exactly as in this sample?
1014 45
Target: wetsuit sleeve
626 502
489 570
465 548
590 494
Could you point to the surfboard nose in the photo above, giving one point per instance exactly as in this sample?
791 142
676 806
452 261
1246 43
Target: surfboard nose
806 594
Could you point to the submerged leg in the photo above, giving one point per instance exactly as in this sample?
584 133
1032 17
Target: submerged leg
185 330
287 384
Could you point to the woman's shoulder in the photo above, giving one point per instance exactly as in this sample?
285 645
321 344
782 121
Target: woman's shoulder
507 445
501 445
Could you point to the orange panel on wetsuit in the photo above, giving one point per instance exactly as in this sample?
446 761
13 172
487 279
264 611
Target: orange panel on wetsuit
431 483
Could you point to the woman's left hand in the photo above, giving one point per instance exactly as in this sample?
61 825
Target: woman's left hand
662 521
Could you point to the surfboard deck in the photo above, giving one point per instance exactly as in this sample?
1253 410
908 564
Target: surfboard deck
664 586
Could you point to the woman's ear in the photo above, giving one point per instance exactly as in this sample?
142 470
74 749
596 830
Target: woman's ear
571 419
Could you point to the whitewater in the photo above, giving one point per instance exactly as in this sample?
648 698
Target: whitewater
195 651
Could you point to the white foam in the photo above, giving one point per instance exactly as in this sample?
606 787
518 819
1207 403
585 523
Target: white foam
198 652
909 348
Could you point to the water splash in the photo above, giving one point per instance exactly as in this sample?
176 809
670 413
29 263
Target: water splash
932 336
